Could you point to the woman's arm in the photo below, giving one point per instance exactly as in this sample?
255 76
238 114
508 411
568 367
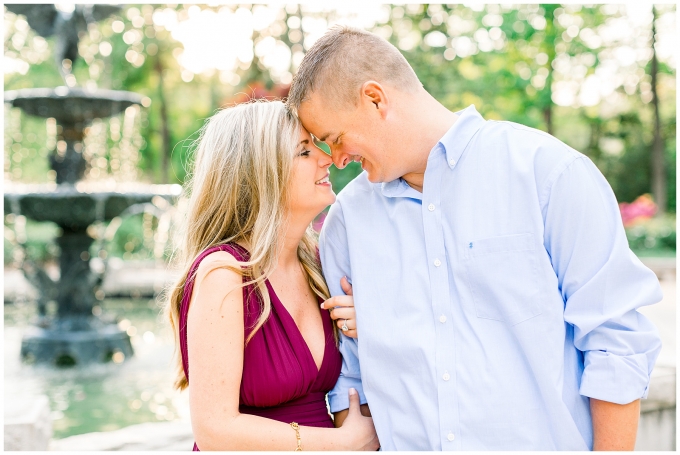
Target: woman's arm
215 344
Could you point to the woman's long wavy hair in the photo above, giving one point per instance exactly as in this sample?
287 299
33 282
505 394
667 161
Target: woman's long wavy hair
238 192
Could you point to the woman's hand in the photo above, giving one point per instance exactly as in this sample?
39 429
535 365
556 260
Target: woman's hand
357 430
341 309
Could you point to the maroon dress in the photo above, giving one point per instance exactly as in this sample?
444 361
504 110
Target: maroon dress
280 380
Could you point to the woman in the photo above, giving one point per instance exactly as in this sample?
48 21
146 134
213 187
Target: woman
246 309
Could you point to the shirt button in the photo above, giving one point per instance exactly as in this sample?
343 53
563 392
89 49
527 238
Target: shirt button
452 162
437 262
442 319
451 437
446 377
430 207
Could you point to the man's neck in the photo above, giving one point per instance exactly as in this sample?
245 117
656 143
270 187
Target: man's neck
428 122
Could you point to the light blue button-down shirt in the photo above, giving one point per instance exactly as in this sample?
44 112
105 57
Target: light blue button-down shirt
494 303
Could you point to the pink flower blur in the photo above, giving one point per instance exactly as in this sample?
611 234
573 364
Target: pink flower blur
318 222
640 209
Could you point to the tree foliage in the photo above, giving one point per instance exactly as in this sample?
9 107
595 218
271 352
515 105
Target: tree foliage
579 72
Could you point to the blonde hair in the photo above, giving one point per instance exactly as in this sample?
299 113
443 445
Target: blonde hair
239 192
343 59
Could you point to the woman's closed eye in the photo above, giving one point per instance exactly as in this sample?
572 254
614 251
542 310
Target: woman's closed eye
304 153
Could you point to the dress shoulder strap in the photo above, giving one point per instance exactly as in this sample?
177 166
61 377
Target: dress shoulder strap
240 254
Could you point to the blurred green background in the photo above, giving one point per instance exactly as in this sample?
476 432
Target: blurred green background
599 77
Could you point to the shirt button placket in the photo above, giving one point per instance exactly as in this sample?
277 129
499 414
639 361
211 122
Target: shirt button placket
439 261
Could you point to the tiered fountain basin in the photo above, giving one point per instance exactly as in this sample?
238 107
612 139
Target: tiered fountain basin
72 105
77 206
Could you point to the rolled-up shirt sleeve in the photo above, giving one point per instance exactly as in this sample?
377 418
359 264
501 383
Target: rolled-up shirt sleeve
335 263
602 283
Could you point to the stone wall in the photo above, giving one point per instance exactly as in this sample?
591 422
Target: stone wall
28 425
656 430
175 436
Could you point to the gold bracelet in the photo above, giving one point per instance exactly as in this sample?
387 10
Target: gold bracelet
296 427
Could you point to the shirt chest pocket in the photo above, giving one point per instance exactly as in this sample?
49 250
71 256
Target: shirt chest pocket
503 277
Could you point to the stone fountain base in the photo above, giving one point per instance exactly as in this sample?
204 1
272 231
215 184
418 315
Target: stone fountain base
74 341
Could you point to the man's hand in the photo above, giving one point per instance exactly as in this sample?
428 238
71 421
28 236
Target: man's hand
614 425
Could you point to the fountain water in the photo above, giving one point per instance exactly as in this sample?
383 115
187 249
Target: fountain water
74 335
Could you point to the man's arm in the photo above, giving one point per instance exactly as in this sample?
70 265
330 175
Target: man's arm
333 249
603 284
614 425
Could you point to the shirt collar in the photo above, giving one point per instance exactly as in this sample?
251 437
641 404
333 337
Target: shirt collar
453 142
459 135
399 188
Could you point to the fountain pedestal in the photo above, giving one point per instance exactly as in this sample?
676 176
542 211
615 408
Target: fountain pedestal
75 336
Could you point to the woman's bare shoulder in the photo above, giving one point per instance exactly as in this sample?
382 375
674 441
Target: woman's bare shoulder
217 269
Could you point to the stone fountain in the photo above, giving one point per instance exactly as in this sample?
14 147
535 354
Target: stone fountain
74 335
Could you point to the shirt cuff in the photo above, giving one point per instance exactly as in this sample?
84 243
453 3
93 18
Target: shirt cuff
613 378
338 398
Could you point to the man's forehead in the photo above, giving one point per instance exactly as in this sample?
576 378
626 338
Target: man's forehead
310 106
315 120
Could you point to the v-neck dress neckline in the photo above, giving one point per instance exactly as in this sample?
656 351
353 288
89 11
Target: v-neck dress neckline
292 327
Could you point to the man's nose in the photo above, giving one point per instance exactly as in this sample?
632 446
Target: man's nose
340 159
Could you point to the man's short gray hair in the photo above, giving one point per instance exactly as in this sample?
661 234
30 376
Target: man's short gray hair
342 60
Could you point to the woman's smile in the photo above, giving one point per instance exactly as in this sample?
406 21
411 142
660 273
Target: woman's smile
325 181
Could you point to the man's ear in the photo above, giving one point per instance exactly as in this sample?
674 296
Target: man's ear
374 93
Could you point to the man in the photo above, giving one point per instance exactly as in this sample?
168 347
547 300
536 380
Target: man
494 288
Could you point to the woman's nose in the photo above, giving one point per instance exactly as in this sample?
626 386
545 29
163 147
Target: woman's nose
325 161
